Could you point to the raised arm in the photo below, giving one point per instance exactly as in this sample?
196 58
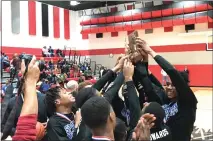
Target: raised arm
113 89
185 94
26 126
131 95
154 80
102 81
142 76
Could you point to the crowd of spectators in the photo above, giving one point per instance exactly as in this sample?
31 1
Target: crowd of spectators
49 52
127 103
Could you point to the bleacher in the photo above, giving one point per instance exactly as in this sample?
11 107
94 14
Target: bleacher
10 51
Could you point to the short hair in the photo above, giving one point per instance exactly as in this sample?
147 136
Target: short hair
51 95
85 94
120 131
95 112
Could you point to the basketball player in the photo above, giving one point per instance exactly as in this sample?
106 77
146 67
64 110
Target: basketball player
181 109
62 124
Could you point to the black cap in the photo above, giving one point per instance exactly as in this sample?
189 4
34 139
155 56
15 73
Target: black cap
155 109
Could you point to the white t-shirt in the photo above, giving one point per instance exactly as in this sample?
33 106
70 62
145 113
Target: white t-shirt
45 51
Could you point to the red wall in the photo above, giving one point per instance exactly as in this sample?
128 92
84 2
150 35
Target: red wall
199 75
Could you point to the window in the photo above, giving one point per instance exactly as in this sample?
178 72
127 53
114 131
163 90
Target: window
99 35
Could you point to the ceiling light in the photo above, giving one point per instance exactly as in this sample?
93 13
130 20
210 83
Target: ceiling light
73 3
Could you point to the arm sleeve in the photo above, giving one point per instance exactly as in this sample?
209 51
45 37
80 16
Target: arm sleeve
155 81
26 128
139 88
103 80
133 104
142 74
185 94
114 88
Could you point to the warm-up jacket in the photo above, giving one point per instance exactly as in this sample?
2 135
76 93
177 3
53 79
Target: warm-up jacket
144 84
133 105
180 115
161 132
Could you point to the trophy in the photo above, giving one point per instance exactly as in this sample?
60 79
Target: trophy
132 48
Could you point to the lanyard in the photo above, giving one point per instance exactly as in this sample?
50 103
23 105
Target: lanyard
101 138
63 116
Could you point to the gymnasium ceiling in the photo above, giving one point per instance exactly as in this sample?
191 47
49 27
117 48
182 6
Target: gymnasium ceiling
84 4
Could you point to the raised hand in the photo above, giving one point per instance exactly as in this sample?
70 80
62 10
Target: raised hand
33 71
143 44
142 131
149 118
120 63
128 70
119 57
143 54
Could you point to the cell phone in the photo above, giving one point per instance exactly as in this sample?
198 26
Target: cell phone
132 37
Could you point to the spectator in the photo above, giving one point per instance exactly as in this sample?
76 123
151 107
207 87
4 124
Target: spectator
83 67
51 64
76 70
15 66
71 86
81 79
5 56
59 53
5 61
51 51
45 52
52 78
186 69
45 86
62 124
56 70
88 73
5 86
186 73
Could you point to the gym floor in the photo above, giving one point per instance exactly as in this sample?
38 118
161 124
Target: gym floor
203 124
